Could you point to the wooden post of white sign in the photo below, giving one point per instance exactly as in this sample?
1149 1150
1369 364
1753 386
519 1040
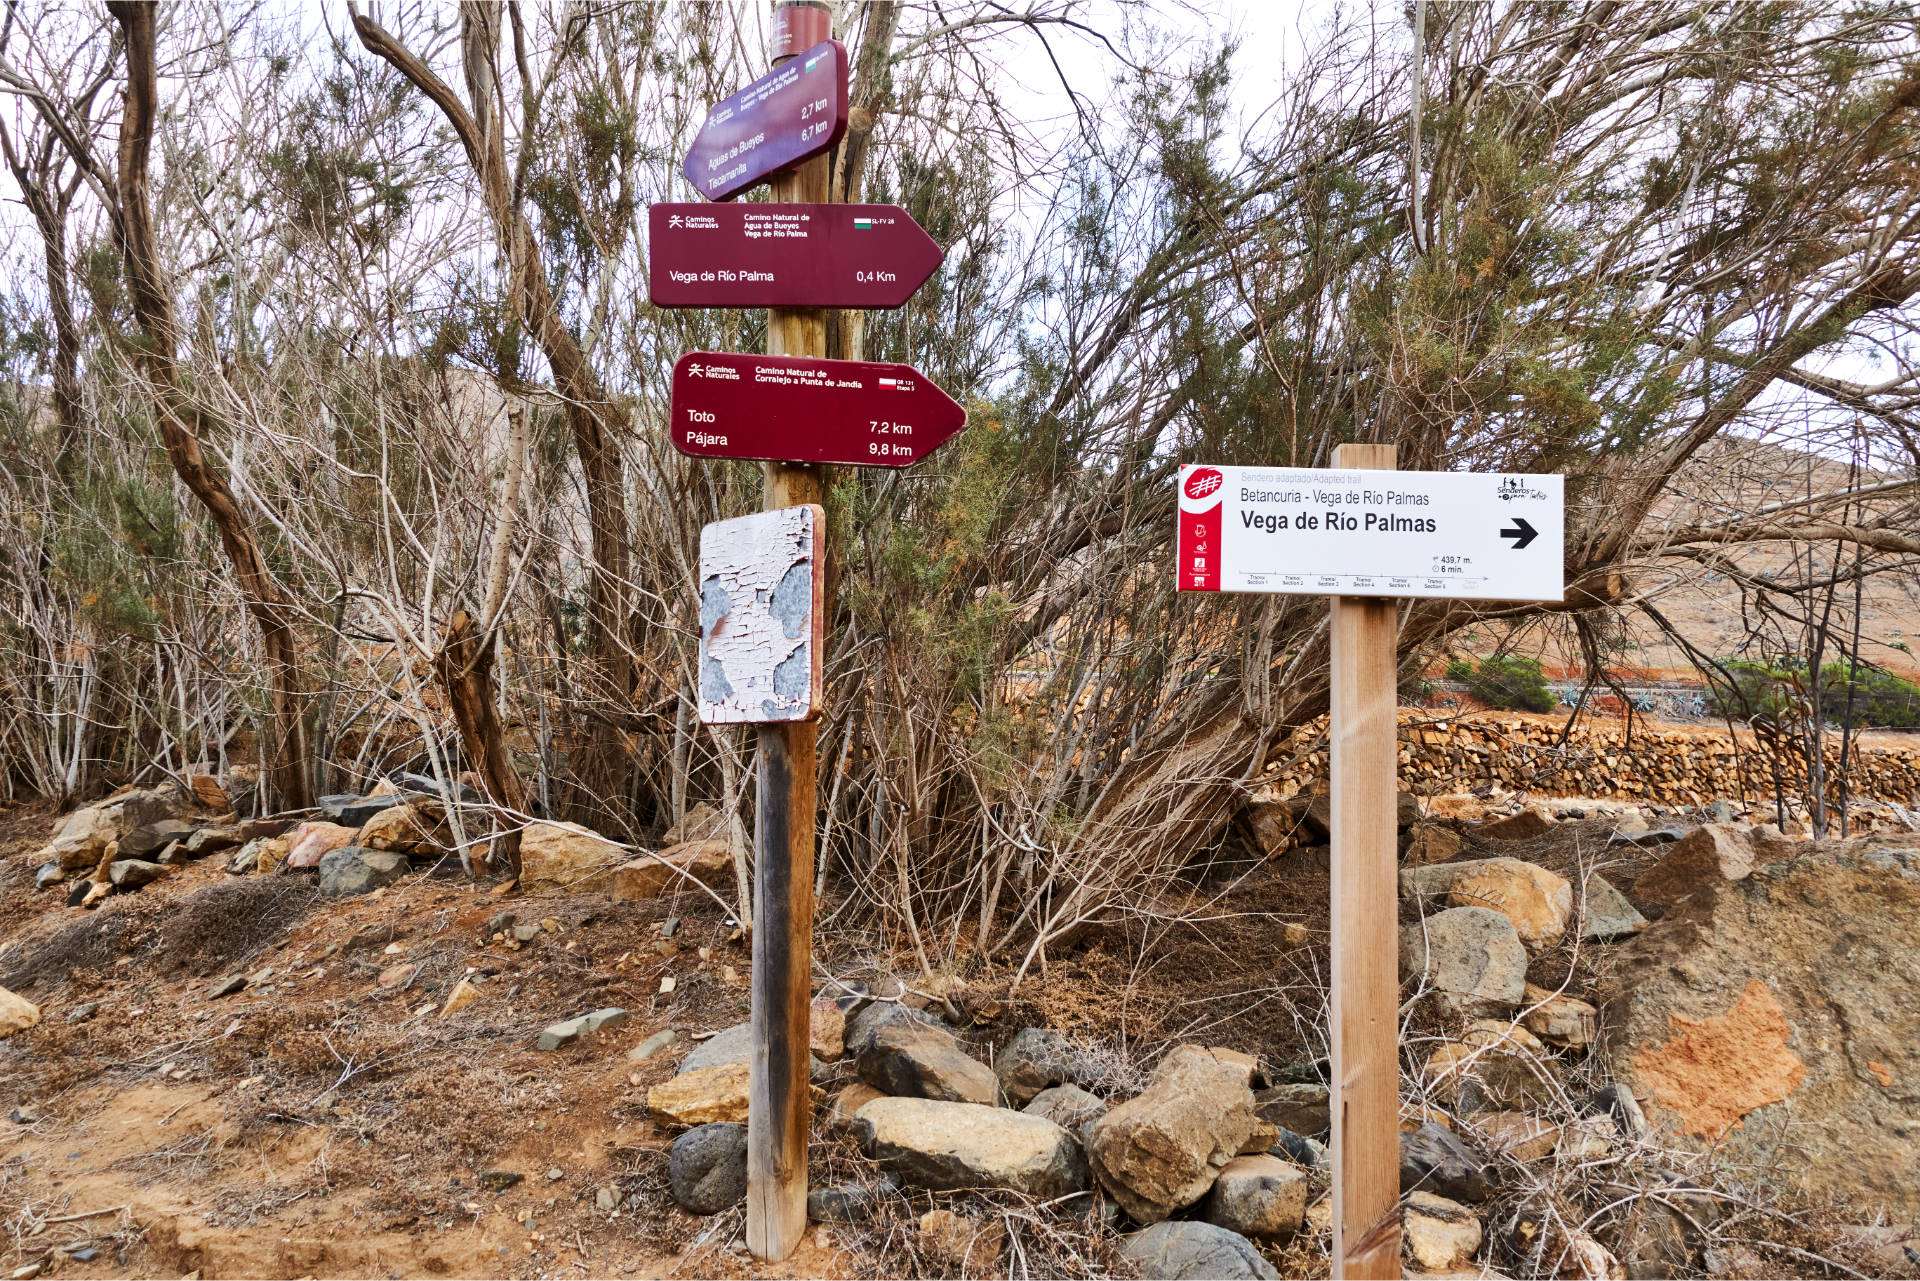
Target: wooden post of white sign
1366 913
778 1108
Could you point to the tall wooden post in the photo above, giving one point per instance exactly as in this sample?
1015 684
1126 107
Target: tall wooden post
1366 913
778 1109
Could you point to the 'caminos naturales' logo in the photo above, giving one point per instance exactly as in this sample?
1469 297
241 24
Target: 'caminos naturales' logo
1204 482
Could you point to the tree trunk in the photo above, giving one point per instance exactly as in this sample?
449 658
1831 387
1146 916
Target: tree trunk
465 668
179 420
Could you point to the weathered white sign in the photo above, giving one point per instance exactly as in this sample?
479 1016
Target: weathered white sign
761 579
1333 532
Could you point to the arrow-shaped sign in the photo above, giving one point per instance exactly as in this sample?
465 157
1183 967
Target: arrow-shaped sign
776 255
803 410
791 114
1521 532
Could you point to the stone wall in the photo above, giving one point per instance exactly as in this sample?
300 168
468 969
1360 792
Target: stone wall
1666 766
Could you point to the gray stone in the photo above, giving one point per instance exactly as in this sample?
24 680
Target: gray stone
525 933
227 986
917 1060
499 1180
1037 1058
1617 1101
1192 1251
1471 957
708 1167
1067 1106
246 859
132 873
652 1045
849 1202
500 923
735 1045
1163 1149
145 842
211 840
175 855
49 874
863 1024
81 1013
1301 1108
1259 1196
155 804
1647 836
940 1145
1606 914
425 785
354 869
1433 1159
354 811
1720 812
1299 1149
729 1045
570 1030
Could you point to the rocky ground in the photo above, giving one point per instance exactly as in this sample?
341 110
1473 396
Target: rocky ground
1647 1043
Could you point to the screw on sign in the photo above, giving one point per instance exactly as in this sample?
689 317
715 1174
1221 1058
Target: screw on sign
793 113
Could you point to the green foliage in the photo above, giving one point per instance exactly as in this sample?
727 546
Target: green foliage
1511 682
1880 698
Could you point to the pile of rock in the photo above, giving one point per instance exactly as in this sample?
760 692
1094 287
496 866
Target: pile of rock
136 837
1040 1122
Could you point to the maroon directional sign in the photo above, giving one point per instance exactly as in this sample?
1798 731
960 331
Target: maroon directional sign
802 410
793 113
769 255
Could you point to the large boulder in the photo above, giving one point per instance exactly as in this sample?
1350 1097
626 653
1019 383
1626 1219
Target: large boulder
1434 1159
708 862
1437 1234
355 811
566 857
698 1097
1538 902
132 873
1524 826
1559 1019
1038 1058
145 842
1494 1065
1605 913
1259 1196
1193 1251
1067 1106
707 1169
1773 1018
1471 958
1711 854
351 870
417 827
81 840
941 1145
17 1013
312 842
1163 1149
918 1060
1303 1108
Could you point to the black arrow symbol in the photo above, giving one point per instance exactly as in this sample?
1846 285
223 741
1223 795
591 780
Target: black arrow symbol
1521 532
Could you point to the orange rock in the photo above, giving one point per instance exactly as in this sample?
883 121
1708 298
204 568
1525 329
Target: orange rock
1716 1070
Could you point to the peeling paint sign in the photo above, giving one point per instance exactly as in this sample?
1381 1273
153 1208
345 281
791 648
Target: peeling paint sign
761 580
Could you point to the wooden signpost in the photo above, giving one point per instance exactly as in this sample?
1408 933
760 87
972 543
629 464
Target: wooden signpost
1366 540
798 411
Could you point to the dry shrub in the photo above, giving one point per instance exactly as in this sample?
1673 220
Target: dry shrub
199 933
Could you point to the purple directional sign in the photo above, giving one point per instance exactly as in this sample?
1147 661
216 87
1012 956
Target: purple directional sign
800 409
791 114
772 255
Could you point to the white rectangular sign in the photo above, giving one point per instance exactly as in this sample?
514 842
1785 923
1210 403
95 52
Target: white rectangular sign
1334 532
761 581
